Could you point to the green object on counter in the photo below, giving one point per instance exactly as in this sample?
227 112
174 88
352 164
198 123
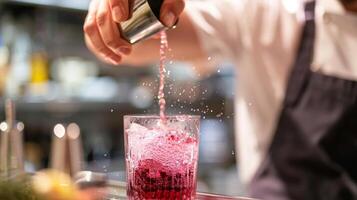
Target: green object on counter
16 190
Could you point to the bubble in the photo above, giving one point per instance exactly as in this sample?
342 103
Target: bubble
209 58
111 110
233 153
219 71
219 115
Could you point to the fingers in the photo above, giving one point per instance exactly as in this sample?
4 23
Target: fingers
170 11
102 35
120 10
92 48
110 32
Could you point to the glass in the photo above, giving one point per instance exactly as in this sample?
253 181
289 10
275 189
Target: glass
161 156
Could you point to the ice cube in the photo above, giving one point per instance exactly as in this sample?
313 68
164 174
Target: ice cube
135 128
166 146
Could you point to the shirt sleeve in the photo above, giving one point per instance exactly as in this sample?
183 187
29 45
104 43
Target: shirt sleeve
216 24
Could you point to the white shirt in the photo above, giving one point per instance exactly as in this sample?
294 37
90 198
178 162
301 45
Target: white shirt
261 37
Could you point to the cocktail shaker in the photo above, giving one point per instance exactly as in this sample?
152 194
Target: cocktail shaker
144 21
11 144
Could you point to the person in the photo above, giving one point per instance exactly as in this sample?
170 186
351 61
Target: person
296 94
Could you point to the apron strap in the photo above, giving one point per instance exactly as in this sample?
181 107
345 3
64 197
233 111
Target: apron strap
301 69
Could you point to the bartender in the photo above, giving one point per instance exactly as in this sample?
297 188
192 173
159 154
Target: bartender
296 98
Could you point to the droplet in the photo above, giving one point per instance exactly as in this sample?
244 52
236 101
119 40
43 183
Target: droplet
219 71
233 152
209 58
111 110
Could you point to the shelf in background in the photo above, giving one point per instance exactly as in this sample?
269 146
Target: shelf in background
67 106
79 5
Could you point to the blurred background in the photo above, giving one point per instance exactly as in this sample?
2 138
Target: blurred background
54 80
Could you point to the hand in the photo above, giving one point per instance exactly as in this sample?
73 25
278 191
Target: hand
101 31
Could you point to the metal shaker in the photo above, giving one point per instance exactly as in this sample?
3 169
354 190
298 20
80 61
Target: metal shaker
11 144
144 21
66 150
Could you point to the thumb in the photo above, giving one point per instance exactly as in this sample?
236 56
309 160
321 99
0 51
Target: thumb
170 11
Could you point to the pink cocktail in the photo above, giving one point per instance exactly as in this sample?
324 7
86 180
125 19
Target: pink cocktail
161 156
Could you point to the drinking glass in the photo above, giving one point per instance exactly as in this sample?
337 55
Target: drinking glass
161 156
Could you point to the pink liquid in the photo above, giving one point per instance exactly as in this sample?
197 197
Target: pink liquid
163 162
163 166
161 96
153 181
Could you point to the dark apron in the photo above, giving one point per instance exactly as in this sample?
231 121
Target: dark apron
313 154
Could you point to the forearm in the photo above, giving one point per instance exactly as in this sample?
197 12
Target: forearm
183 41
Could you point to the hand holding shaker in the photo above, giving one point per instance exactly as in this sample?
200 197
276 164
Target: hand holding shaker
144 21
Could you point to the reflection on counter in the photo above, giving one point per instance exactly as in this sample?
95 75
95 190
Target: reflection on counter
61 90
